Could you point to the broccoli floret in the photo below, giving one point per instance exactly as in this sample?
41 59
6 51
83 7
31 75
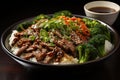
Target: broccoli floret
96 30
96 27
86 52
100 29
62 13
99 41
105 31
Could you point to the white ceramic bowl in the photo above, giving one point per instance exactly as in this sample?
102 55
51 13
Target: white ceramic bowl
108 18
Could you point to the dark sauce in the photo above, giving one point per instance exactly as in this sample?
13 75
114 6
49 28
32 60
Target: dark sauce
102 9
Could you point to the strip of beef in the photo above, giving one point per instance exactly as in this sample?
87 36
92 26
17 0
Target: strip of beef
54 56
75 38
23 41
43 50
46 45
21 50
34 47
31 48
15 40
49 57
27 56
57 33
59 55
19 34
17 37
66 45
40 56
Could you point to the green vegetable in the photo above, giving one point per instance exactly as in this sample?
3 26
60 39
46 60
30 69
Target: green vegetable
52 24
90 23
73 26
44 36
52 44
99 41
86 52
32 38
41 16
101 50
95 30
65 30
96 27
24 26
62 13
105 31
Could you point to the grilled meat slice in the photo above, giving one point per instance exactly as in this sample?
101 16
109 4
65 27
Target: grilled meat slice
21 50
75 38
66 45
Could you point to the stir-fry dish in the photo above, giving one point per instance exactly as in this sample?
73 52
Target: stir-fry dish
61 38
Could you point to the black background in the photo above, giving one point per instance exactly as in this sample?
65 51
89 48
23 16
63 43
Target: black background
13 11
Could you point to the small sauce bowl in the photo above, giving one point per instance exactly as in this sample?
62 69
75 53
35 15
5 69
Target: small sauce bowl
105 11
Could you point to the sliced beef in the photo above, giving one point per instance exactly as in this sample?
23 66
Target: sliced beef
27 56
66 45
21 50
40 56
49 57
75 38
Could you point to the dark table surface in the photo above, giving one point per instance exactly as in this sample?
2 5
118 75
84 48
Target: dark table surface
11 70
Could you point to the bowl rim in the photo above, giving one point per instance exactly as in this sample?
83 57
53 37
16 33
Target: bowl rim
11 27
